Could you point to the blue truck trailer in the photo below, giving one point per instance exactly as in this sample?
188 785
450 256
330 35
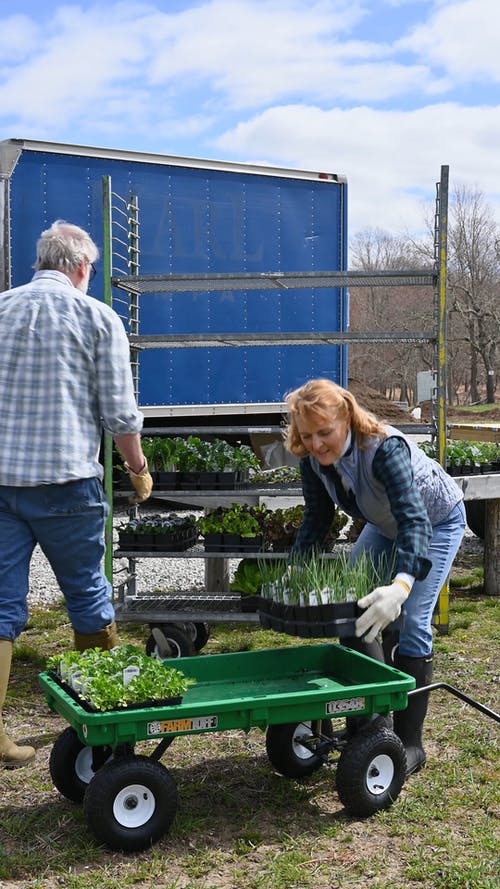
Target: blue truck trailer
198 217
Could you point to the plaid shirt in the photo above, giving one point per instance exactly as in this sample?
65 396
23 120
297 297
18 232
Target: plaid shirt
392 467
64 377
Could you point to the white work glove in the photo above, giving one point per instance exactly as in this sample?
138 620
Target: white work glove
383 606
142 483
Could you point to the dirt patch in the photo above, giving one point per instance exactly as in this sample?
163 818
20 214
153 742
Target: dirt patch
373 401
462 415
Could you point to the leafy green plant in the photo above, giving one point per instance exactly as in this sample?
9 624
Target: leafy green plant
120 677
465 453
283 524
160 453
236 519
159 523
280 475
193 454
243 458
247 578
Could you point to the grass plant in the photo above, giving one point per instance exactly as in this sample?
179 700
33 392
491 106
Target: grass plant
318 579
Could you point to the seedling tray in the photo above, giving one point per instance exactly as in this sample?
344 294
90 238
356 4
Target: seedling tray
246 689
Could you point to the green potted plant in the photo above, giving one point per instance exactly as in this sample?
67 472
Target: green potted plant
167 532
279 476
465 457
174 533
280 527
123 678
247 581
137 535
232 528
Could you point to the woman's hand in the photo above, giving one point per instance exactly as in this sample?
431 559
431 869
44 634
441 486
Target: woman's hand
383 606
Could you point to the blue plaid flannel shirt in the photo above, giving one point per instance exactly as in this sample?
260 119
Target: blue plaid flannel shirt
64 377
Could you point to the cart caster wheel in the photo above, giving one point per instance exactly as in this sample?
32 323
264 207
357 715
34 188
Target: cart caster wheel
131 803
199 633
287 752
71 764
169 641
371 772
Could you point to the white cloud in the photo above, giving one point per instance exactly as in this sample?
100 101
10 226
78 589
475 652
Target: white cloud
461 37
18 38
392 159
241 54
254 54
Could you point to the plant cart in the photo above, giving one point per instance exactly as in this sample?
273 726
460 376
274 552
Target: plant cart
292 694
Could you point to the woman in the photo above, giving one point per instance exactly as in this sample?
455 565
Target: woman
414 516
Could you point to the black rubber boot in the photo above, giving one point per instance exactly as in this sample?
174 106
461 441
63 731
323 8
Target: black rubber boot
374 650
408 723
390 644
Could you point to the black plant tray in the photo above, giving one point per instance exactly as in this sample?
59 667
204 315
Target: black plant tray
232 543
250 604
173 543
200 481
310 621
86 705
175 546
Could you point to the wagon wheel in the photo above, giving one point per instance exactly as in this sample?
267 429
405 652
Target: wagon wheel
169 640
199 632
131 803
291 747
71 764
371 771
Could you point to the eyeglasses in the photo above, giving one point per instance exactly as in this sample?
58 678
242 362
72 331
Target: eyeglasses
93 271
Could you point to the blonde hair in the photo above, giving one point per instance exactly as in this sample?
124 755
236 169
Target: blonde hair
324 399
64 246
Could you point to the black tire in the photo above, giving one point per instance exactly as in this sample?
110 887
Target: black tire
178 642
286 752
475 510
131 803
71 764
371 772
201 634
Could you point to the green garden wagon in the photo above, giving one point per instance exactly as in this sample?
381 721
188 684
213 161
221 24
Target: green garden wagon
293 694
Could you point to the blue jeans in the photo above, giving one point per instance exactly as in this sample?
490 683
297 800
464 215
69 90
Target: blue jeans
67 521
415 635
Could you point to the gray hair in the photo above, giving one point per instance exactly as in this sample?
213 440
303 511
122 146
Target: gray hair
64 246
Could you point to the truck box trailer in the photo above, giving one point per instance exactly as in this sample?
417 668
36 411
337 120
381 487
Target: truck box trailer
198 217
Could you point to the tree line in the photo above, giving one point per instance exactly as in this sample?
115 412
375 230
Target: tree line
473 305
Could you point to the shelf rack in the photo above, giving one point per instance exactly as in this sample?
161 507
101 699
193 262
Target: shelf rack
122 260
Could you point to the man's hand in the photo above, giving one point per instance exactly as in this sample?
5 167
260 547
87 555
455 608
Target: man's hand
142 483
383 606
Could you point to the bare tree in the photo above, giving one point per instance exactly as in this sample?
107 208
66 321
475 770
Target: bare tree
392 369
474 284
473 317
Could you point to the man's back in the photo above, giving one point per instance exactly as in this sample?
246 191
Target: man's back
62 366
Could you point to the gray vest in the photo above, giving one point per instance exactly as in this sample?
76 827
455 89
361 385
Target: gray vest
437 489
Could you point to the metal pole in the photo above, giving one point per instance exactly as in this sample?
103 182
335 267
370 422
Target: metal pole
442 244
441 616
108 440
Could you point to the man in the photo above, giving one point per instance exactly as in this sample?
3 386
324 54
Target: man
64 378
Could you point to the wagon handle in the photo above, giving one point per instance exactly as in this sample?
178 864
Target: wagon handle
459 694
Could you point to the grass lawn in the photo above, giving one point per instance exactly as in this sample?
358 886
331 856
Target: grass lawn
242 825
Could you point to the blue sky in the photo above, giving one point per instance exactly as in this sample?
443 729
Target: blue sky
383 91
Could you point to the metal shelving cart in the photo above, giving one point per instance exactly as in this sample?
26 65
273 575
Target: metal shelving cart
188 611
